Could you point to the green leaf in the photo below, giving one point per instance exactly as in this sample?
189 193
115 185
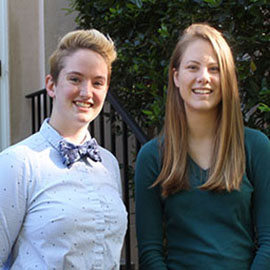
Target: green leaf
139 3
213 3
253 66
264 108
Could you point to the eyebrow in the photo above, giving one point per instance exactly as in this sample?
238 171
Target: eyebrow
198 62
193 61
81 74
74 72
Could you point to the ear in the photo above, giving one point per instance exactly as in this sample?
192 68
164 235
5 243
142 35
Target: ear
50 86
176 78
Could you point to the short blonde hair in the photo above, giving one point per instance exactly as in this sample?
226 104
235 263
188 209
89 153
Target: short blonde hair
82 39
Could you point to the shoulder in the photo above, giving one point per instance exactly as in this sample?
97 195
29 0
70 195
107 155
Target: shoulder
256 140
257 147
151 149
16 162
23 150
150 154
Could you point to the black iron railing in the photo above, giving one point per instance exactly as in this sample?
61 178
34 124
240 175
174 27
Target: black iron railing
115 130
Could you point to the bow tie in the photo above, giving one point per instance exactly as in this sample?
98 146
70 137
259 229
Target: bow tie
72 153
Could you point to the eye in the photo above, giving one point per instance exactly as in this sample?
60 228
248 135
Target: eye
214 69
99 83
74 79
192 67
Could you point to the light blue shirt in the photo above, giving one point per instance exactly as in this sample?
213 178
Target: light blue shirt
55 218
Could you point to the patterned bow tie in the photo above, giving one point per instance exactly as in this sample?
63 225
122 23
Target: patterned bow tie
72 153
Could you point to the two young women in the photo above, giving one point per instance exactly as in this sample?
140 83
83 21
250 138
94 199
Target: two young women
202 187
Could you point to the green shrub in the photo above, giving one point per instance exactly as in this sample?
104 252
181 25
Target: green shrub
145 33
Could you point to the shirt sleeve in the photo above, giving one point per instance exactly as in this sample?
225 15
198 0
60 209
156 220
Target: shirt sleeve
149 212
12 202
258 163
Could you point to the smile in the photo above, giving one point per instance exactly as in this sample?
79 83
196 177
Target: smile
202 91
83 104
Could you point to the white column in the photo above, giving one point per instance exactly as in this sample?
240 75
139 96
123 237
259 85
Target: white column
42 43
4 79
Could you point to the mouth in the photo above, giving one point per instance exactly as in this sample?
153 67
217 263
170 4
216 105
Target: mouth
202 91
84 104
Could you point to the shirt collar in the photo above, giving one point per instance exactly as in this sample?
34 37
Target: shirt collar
53 136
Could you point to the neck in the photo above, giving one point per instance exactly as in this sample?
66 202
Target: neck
201 137
77 138
201 125
74 135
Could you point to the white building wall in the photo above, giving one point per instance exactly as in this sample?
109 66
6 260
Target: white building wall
34 29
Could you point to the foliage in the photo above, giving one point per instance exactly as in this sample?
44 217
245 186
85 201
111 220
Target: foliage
145 33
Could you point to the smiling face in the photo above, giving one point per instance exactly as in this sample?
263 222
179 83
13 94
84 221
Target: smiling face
80 91
198 78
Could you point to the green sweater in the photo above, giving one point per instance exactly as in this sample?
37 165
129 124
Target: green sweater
205 230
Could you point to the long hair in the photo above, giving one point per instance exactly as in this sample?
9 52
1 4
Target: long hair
228 159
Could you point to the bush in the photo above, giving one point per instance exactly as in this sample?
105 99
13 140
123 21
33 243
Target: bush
145 33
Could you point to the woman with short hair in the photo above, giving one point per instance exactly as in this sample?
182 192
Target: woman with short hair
60 192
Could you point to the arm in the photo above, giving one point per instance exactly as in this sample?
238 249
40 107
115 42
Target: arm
259 173
149 212
12 202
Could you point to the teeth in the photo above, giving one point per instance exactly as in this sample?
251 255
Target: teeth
200 91
83 104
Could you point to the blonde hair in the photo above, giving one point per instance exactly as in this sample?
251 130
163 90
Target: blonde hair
82 39
228 160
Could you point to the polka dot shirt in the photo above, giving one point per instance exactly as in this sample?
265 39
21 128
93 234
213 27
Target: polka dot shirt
53 217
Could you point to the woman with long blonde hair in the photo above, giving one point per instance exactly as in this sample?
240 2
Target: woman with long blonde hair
204 184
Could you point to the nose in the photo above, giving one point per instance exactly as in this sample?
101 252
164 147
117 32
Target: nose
86 90
204 76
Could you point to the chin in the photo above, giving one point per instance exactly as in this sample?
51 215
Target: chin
87 119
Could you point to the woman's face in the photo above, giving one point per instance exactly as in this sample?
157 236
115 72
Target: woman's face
198 78
80 90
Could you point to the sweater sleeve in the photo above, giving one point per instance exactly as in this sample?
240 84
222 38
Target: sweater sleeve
149 213
258 166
